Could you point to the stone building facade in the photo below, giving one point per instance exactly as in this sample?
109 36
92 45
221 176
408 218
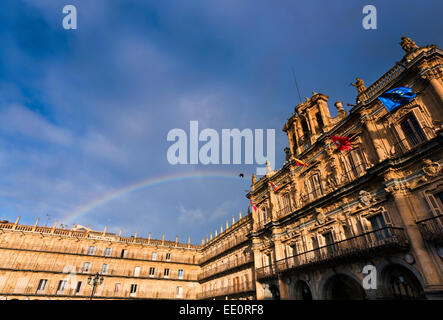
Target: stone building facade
378 204
373 210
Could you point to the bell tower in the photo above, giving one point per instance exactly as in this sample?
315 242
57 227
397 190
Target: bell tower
309 121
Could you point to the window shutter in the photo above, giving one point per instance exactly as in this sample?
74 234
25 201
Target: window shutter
364 223
433 204
387 218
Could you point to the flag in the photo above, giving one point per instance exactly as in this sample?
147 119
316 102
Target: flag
273 186
342 143
299 162
252 205
396 97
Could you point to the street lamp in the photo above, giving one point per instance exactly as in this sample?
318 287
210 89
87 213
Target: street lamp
96 280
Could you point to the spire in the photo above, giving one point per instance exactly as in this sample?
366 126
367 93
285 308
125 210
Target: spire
239 214
163 239
149 238
233 220
203 241
227 225
176 240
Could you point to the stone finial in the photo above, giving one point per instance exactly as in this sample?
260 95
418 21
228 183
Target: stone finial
36 222
189 241
210 236
216 234
104 231
18 219
407 44
207 239
239 214
360 85
149 238
254 179
176 240
233 220
203 241
227 225
339 106
268 167
120 233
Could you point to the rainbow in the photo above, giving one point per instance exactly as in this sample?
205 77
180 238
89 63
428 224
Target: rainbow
143 184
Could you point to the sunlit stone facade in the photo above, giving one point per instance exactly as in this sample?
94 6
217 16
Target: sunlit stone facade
379 204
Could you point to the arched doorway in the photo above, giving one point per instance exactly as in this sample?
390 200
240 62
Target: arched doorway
401 284
343 287
302 291
275 292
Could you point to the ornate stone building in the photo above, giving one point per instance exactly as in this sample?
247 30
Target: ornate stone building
378 204
55 263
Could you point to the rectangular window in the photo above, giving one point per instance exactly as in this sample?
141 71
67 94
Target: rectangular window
124 253
316 186
61 285
180 274
179 292
133 288
412 130
378 223
79 285
108 252
166 273
86 266
168 257
136 271
91 250
151 272
154 256
42 284
104 268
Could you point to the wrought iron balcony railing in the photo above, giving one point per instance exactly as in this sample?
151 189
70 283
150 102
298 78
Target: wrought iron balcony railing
226 291
431 229
369 243
226 266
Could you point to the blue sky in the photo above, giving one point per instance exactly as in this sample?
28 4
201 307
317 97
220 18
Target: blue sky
85 112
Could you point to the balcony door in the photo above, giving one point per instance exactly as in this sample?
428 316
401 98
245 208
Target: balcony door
378 223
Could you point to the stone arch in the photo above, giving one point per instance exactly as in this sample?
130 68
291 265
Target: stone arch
400 281
302 290
341 285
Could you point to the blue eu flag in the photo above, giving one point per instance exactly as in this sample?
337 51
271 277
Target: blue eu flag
396 97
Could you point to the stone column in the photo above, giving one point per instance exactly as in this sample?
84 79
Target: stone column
431 278
370 127
279 255
259 290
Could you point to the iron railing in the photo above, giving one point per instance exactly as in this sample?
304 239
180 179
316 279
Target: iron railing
366 243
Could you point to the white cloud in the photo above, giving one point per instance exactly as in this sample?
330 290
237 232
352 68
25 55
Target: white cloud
17 119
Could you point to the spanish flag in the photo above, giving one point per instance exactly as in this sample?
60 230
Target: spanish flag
273 186
299 162
252 205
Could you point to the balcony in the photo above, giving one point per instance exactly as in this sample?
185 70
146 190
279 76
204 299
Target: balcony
361 246
227 291
432 229
223 248
226 266
407 142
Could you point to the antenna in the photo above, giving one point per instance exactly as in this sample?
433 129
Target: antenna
296 84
